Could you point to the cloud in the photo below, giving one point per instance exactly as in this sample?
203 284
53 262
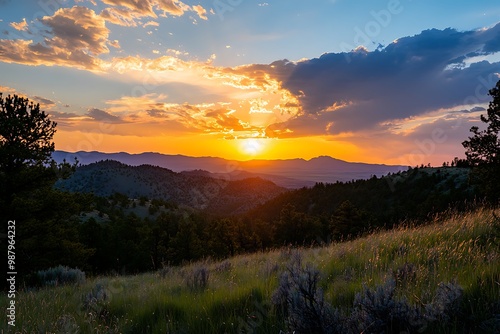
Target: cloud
20 26
202 12
73 37
177 53
119 16
46 103
8 91
103 116
211 118
129 12
64 115
409 77
150 23
77 28
475 109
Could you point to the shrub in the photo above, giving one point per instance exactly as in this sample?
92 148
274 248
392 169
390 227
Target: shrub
165 271
405 274
95 298
197 279
302 301
97 313
60 275
446 303
377 311
223 266
269 268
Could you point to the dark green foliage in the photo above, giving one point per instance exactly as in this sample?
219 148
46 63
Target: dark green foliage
119 240
483 149
296 228
46 219
25 146
25 134
341 210
347 220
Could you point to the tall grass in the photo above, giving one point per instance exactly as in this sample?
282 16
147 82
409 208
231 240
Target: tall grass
461 250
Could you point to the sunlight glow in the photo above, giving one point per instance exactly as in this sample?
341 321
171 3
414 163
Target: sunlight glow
252 146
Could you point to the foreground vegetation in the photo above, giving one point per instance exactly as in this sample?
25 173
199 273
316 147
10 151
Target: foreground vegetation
444 277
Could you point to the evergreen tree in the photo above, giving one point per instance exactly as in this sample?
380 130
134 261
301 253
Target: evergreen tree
26 146
483 149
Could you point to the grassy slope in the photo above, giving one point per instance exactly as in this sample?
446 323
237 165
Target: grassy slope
461 247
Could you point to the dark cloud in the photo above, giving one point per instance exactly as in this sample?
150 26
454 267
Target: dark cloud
63 115
103 116
44 101
411 76
476 109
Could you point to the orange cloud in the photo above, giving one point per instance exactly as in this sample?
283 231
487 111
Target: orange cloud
255 97
211 118
202 12
20 26
129 12
75 37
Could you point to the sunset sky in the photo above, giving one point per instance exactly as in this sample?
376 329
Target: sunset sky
379 81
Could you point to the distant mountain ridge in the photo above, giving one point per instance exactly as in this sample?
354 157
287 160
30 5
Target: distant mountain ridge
289 173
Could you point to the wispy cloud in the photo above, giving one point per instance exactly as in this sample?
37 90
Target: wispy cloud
129 12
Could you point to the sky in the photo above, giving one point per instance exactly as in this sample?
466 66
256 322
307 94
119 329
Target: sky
378 81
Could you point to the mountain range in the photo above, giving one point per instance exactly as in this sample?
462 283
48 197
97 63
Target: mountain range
289 173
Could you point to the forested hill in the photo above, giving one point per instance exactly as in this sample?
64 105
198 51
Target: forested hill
413 194
195 190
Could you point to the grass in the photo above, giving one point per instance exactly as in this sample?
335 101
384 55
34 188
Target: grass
461 248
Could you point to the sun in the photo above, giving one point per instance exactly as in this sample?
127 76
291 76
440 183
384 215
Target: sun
252 146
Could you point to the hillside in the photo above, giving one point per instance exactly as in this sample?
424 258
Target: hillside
413 194
196 190
443 277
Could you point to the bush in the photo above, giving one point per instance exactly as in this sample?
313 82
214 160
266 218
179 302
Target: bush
95 298
223 266
96 309
377 311
60 275
446 303
302 301
197 280
165 271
